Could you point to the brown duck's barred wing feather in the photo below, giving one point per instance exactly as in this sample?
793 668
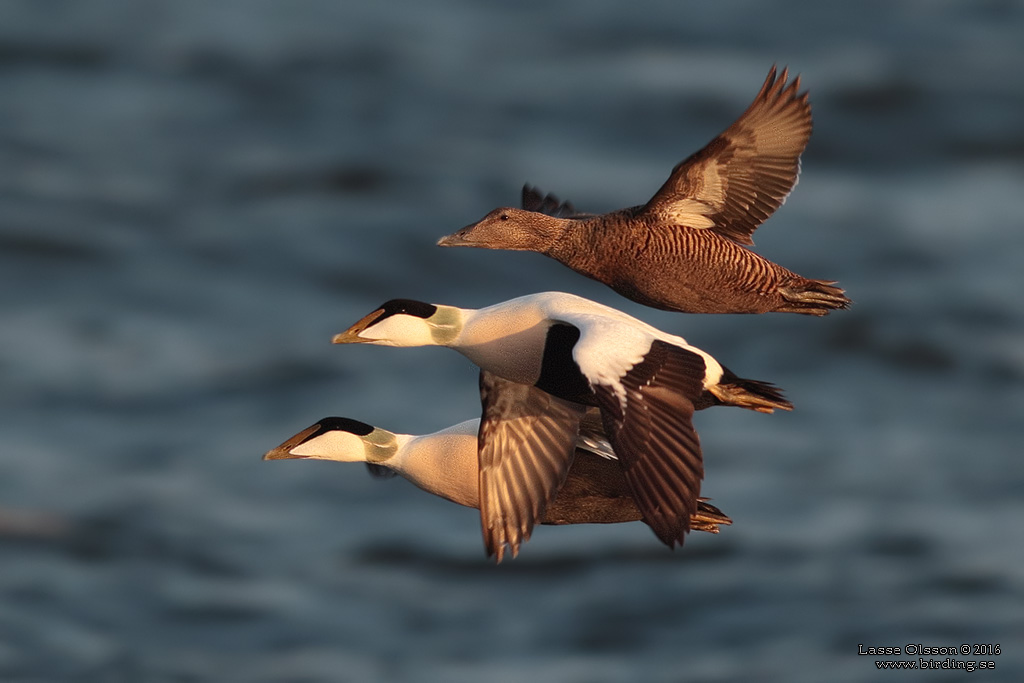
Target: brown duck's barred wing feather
526 444
742 176
653 435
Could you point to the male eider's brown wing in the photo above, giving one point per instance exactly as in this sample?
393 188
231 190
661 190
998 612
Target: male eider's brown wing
527 440
741 177
651 430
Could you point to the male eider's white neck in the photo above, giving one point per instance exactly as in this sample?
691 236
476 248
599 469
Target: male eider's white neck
506 339
443 463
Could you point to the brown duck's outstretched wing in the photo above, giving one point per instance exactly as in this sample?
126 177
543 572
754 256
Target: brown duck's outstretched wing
548 204
527 440
741 177
650 428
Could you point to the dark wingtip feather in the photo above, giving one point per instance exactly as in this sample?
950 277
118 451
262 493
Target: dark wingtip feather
535 200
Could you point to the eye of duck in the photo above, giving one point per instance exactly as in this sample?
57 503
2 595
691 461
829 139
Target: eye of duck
503 217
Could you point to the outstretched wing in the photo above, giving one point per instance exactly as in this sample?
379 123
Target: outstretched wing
549 204
527 441
648 421
741 177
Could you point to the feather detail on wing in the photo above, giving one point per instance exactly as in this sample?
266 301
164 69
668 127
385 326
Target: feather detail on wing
592 437
653 435
741 177
527 441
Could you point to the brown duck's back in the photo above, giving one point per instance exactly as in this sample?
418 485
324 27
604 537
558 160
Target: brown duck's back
673 267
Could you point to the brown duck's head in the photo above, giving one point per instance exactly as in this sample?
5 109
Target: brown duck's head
509 228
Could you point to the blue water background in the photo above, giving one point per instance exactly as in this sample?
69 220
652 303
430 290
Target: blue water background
194 196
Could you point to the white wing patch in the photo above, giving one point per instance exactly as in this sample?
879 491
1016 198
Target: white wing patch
611 342
607 350
690 213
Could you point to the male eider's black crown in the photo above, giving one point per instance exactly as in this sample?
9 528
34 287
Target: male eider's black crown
344 424
408 307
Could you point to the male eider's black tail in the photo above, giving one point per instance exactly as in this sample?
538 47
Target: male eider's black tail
708 518
749 393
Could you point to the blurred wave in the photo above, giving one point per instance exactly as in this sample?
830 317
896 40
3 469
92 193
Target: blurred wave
194 196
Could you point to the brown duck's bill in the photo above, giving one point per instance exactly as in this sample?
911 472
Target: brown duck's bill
457 239
282 452
351 335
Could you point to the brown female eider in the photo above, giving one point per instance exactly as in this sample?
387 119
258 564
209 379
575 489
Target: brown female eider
685 249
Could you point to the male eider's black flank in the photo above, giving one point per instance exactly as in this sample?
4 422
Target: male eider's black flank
685 249
559 373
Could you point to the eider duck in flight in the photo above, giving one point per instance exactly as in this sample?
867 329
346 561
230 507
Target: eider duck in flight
548 357
685 249
445 464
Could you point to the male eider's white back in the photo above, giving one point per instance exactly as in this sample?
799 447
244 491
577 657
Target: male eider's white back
507 338
611 342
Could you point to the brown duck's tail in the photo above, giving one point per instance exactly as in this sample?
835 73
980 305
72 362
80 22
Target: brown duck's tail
812 297
748 393
708 517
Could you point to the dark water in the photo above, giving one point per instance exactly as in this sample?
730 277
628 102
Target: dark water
194 196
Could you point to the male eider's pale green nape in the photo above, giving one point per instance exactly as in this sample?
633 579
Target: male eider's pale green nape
341 439
380 445
445 325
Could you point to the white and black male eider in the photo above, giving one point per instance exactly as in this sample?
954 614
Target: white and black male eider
445 464
685 249
559 354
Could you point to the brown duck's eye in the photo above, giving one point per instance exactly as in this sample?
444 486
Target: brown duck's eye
504 217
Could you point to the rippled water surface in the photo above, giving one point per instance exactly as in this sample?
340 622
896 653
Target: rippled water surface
194 196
